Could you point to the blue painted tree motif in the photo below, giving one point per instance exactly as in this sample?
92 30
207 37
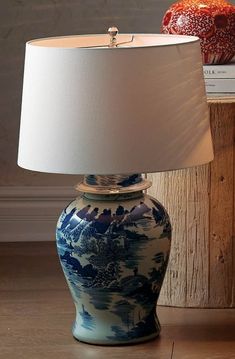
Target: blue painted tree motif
125 310
67 218
88 322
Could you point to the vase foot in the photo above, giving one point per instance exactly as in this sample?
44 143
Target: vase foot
109 342
107 334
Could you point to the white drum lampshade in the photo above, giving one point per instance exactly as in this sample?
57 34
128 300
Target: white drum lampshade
140 107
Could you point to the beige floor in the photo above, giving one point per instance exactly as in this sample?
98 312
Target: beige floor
36 313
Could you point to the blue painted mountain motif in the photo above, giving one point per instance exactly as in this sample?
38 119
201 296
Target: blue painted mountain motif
114 257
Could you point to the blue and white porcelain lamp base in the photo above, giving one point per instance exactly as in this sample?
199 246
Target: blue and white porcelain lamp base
114 243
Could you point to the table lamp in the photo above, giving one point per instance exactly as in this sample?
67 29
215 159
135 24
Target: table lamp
111 107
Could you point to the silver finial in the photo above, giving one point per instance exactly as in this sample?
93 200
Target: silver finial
113 31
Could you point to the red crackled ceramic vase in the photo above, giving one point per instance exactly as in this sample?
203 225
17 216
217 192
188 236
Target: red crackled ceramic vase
213 21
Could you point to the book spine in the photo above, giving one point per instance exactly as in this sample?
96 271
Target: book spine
220 85
219 71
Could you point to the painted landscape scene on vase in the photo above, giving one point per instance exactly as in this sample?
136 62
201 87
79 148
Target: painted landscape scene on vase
114 260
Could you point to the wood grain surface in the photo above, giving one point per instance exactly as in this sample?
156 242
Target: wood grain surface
36 314
200 202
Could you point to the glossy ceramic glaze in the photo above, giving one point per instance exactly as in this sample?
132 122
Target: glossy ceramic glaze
114 251
213 21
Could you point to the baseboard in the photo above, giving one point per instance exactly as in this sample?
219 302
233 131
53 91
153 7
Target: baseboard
31 213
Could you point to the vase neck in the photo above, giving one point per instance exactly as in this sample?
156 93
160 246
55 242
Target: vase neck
113 184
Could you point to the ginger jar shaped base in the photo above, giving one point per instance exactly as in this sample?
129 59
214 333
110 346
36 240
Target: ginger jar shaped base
114 250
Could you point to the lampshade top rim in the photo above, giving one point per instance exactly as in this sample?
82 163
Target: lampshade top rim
59 42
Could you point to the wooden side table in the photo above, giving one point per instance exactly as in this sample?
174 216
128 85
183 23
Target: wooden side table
200 201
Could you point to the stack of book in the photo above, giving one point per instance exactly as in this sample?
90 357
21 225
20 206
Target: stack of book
220 78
